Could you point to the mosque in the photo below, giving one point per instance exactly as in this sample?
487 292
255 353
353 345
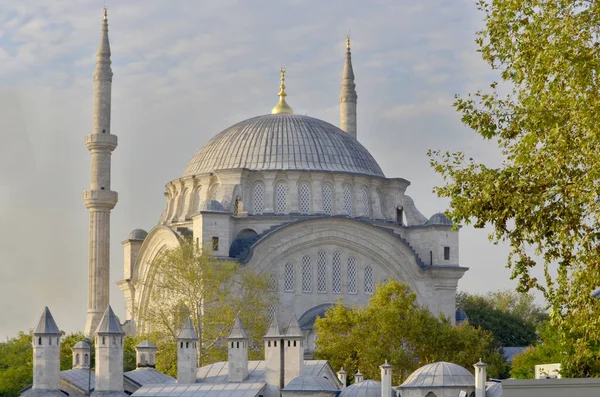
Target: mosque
290 196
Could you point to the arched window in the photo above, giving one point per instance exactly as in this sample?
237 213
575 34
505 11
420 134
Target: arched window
258 198
369 284
363 202
142 359
327 199
289 277
352 276
77 359
430 394
321 272
348 205
306 274
336 273
273 281
271 314
304 198
40 341
281 198
86 359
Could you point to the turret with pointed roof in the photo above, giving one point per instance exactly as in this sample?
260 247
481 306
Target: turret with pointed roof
348 96
273 357
293 350
237 347
46 354
187 355
109 355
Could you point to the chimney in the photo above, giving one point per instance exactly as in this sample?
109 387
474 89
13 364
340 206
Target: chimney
81 355
480 378
237 345
386 380
358 377
293 351
273 359
109 354
186 353
342 376
145 354
46 354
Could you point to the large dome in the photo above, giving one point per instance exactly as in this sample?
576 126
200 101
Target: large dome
283 142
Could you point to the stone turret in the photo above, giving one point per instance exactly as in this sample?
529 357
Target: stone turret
273 358
145 354
46 354
348 96
237 344
386 379
109 355
186 353
293 351
99 199
358 377
81 355
480 378
342 376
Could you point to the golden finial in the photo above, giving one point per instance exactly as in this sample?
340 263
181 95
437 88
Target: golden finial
105 14
282 106
348 41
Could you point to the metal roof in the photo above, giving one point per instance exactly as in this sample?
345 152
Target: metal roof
218 372
79 378
46 325
146 344
237 330
439 219
109 324
310 384
81 345
283 142
138 234
293 329
243 389
188 331
440 374
147 376
366 388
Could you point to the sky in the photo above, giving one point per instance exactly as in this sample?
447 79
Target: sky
184 71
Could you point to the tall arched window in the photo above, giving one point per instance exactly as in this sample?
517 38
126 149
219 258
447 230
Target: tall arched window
369 283
273 281
304 198
271 313
363 201
306 274
258 198
352 276
86 359
281 198
348 205
327 199
290 277
336 273
321 272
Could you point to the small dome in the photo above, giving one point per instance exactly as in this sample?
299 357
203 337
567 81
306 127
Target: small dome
138 234
440 374
211 205
310 384
366 388
439 219
460 316
81 345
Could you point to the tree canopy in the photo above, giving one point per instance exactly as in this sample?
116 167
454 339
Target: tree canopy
189 282
544 198
512 318
393 327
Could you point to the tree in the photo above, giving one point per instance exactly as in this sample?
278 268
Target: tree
393 327
213 292
543 199
523 364
510 317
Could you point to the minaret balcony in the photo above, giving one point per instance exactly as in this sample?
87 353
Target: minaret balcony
100 199
101 142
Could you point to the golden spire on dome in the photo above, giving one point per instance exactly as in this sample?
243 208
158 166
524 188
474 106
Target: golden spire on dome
105 14
282 106
348 41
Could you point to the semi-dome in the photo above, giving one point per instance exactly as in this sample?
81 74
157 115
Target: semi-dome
283 142
440 374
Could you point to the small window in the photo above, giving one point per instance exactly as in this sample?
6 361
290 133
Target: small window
237 345
269 343
215 243
86 359
50 341
446 253
181 345
104 340
275 343
77 359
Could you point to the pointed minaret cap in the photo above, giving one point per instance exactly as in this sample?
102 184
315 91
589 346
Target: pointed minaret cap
109 324
282 106
293 329
237 331
274 331
46 325
188 331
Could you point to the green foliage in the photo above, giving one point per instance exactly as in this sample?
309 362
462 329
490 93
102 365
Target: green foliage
543 199
523 365
511 317
16 360
212 292
393 327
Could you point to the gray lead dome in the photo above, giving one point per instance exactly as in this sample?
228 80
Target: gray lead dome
284 142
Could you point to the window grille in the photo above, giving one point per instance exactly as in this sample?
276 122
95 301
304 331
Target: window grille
369 285
321 272
281 198
273 282
304 198
327 199
364 202
348 205
258 199
289 277
352 276
336 273
271 313
306 274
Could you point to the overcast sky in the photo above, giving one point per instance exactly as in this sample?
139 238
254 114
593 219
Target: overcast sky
185 70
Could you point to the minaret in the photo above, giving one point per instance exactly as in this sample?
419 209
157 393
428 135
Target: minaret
99 199
46 354
348 96
237 344
109 355
186 353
